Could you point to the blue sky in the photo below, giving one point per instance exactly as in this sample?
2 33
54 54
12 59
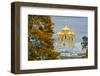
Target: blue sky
79 26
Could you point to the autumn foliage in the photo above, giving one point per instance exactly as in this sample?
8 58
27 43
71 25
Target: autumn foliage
40 41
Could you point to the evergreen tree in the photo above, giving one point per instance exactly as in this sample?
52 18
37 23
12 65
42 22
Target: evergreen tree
84 44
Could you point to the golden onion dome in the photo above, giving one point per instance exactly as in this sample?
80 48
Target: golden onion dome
71 34
60 33
66 28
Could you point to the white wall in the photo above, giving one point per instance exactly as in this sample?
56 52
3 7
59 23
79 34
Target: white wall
5 33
